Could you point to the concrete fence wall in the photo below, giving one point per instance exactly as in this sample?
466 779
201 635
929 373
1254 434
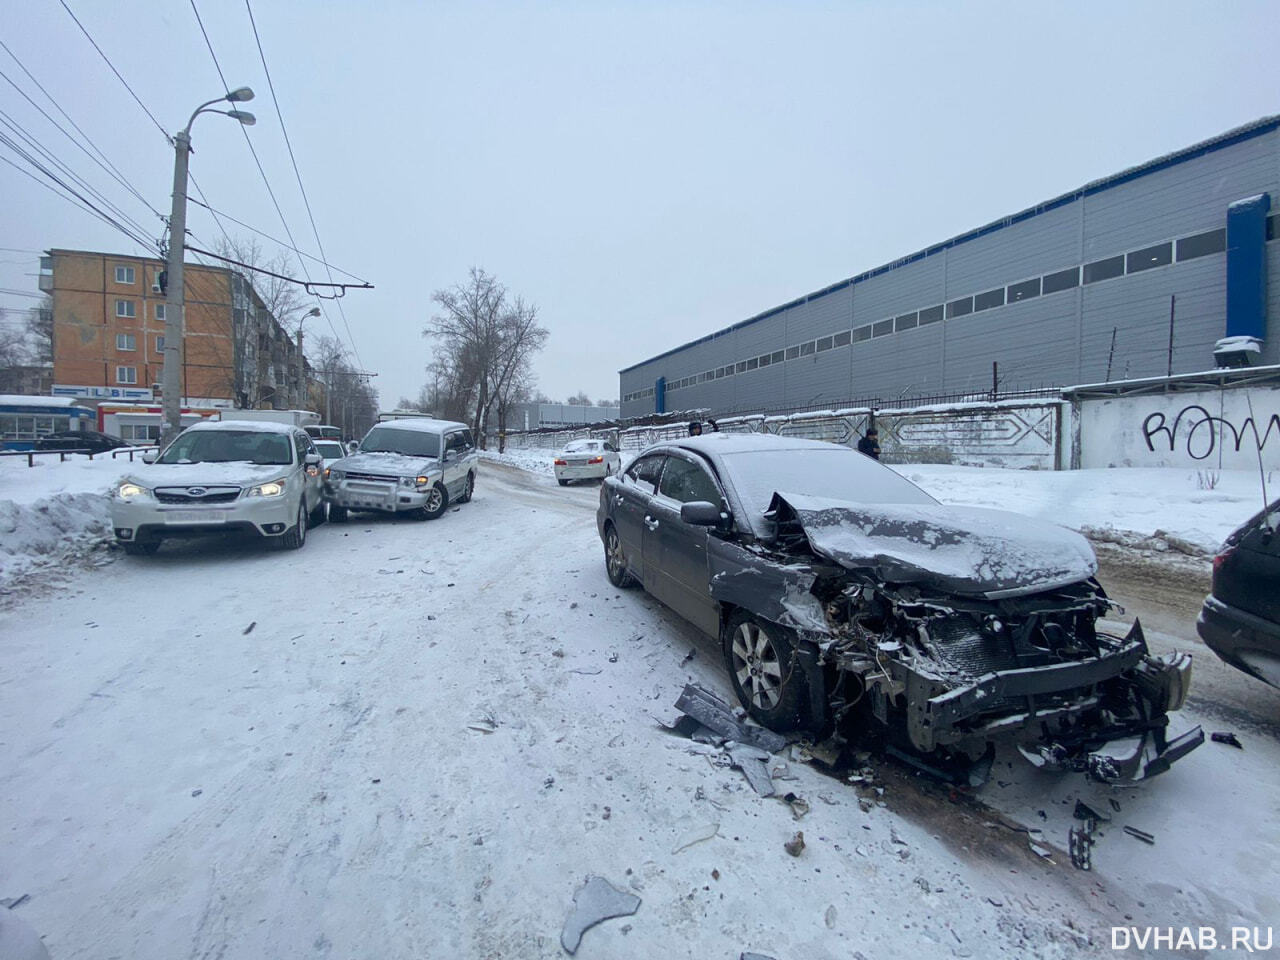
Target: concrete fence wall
1222 428
1203 429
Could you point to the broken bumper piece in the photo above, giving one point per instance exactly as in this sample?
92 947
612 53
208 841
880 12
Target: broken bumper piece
1127 759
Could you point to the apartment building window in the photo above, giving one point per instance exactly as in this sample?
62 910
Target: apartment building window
157 282
126 308
124 275
126 341
160 344
126 374
159 311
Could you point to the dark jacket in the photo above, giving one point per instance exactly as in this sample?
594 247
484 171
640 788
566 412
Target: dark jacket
870 446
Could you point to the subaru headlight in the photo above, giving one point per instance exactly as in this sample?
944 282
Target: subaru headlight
128 490
274 488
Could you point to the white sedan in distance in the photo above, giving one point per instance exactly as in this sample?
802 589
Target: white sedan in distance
586 460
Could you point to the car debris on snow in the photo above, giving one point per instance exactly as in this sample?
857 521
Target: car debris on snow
712 712
696 834
754 764
753 956
1148 838
795 846
596 901
1228 738
1080 841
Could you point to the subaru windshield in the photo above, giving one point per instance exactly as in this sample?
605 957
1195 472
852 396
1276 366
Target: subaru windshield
229 446
411 443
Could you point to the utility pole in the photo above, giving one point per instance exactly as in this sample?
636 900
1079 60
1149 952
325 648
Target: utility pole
302 393
175 293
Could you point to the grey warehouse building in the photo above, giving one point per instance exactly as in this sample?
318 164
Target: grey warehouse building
1078 289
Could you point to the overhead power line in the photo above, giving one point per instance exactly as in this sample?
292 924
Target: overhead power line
262 233
105 163
308 283
294 160
84 184
263 173
108 62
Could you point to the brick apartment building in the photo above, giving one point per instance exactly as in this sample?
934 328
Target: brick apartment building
108 333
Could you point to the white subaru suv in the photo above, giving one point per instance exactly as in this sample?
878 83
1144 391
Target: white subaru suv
410 465
220 476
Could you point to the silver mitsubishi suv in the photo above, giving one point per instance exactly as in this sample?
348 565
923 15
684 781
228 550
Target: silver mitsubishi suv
408 465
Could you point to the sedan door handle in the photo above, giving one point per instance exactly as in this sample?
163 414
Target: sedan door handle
651 523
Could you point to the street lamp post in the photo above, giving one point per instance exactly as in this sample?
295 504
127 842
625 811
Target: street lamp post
174 325
302 393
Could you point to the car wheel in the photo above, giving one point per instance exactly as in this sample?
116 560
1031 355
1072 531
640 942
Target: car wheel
563 483
469 489
318 515
337 514
437 502
765 671
615 562
296 536
139 548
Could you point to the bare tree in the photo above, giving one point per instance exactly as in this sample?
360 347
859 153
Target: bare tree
605 402
579 399
285 299
485 344
344 392
40 331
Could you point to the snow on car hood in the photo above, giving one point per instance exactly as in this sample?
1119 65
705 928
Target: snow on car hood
387 464
963 550
238 473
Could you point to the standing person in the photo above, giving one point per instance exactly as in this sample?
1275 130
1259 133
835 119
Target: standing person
870 443
695 428
714 428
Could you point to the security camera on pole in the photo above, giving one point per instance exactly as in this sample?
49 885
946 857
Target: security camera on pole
174 325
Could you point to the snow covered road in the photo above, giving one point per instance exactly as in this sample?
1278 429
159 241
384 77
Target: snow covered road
418 739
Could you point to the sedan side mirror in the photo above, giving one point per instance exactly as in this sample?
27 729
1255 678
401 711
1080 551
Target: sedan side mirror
701 513
150 456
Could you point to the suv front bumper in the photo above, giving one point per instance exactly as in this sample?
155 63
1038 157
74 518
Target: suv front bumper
383 496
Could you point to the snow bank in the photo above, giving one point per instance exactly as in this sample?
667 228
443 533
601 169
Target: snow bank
52 513
1128 506
535 461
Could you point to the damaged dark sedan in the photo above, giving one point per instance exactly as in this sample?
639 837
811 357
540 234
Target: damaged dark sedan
842 593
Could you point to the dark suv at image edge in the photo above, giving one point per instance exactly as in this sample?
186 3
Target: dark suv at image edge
1240 620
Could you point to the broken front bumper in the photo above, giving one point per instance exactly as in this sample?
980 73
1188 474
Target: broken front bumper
1070 708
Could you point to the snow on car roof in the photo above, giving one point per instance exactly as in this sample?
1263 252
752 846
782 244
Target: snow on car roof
715 444
419 424
249 426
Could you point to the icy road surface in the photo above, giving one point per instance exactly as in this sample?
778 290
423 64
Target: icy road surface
228 752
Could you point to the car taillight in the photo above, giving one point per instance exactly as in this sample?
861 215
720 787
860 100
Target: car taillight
596 460
1221 558
561 463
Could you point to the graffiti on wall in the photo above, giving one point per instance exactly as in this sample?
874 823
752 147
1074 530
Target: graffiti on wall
1200 433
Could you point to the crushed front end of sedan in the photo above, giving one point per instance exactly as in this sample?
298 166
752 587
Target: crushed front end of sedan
958 626
846 599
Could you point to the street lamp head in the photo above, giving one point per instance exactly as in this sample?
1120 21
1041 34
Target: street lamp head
240 94
244 116
313 312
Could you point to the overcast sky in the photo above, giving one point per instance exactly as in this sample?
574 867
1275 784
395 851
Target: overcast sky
645 173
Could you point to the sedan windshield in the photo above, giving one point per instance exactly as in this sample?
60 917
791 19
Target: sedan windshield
836 474
330 449
227 446
411 443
